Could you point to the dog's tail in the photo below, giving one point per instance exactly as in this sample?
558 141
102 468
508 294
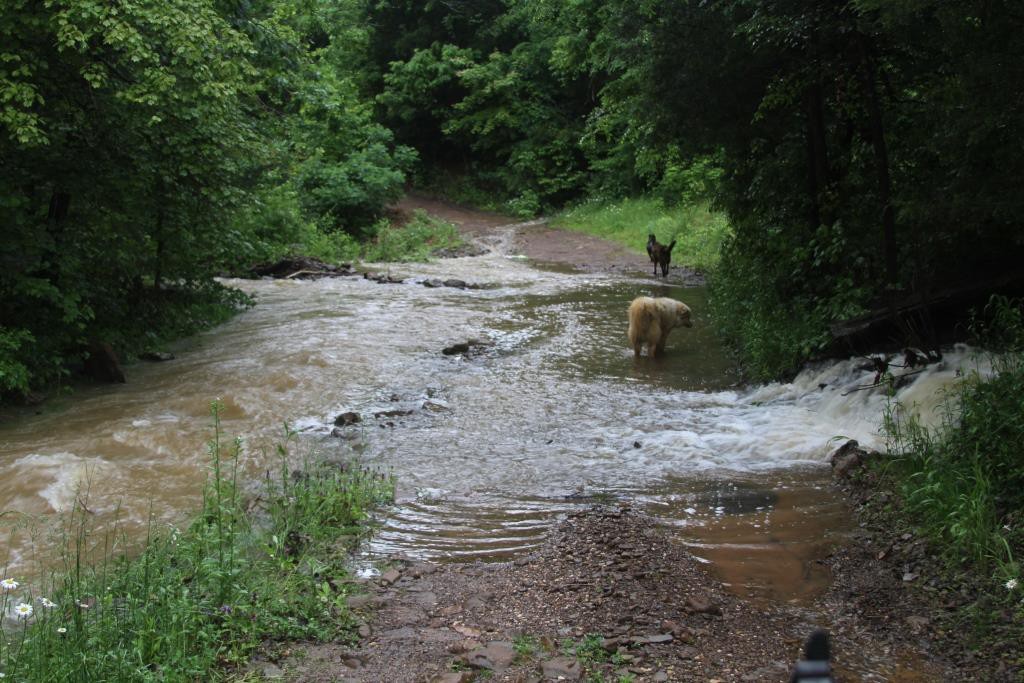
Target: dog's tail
671 244
642 318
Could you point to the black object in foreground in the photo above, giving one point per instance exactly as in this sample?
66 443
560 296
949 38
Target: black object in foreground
814 667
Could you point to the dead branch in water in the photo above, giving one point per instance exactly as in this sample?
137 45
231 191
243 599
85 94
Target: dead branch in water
895 378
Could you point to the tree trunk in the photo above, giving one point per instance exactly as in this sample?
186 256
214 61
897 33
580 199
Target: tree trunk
158 235
877 134
60 203
818 175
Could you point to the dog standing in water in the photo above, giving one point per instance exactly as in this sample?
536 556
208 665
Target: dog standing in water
650 321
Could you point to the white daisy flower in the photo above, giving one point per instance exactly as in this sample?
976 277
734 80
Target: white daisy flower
8 584
1011 584
47 603
62 630
23 610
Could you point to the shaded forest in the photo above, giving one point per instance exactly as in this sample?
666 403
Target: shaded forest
865 152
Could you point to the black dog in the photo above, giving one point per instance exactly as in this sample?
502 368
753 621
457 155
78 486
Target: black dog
660 254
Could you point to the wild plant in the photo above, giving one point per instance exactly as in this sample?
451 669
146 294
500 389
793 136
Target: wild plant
196 603
964 481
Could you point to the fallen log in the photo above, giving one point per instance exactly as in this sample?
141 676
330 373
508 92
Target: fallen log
939 317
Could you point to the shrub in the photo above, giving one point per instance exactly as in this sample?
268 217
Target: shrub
415 241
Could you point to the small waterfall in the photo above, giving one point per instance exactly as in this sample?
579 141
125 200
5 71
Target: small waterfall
844 393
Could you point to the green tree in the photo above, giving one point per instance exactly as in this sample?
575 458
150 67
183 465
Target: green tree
139 143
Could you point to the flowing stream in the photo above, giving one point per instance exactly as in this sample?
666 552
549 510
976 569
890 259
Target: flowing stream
550 413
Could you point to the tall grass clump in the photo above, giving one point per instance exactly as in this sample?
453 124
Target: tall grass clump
197 603
698 229
963 482
417 240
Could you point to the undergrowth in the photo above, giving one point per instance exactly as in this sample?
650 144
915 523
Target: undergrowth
962 483
417 240
196 603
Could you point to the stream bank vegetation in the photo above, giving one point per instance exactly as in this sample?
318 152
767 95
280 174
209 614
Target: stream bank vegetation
245 576
961 485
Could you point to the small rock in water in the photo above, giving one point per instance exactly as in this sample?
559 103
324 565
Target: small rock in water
390 576
157 356
392 413
435 407
346 419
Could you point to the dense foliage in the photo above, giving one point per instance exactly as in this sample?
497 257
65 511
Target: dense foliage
145 147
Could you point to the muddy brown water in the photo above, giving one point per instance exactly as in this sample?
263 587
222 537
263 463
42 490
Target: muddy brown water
550 413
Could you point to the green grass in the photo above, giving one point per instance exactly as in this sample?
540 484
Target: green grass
699 230
526 646
198 603
415 241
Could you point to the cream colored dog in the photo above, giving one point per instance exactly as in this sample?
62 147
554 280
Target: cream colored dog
650 321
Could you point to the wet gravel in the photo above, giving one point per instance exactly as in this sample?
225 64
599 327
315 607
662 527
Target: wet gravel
610 596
